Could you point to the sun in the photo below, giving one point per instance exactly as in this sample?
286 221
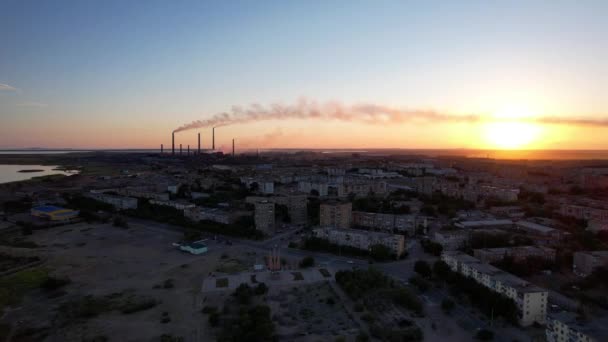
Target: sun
508 129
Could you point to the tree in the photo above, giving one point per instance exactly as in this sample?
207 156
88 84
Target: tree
214 319
422 267
307 262
120 221
441 269
484 335
380 252
260 289
447 305
243 293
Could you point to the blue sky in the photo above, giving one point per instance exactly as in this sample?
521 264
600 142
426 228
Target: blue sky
150 66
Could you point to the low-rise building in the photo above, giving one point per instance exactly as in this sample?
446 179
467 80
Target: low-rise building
118 202
386 222
322 188
174 204
53 213
452 239
494 224
517 253
362 239
584 263
567 327
531 300
335 214
210 214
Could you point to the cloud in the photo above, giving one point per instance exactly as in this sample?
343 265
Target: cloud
6 87
32 104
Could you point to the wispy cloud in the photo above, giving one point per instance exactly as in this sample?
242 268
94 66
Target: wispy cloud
32 104
6 87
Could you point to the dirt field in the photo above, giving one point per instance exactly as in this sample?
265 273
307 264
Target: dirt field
118 265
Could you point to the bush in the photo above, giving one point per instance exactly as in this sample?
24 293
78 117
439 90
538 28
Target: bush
423 268
209 309
307 262
136 305
52 283
243 293
120 221
484 335
214 319
168 284
260 289
447 305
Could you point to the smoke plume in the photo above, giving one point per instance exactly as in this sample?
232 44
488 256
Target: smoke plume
363 113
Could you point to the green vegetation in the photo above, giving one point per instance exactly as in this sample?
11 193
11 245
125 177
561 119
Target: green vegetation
423 268
484 335
362 283
307 262
297 276
420 283
487 301
120 221
15 286
431 247
378 205
251 325
447 305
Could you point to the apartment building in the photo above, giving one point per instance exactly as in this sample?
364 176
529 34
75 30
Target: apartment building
143 193
566 327
361 188
482 224
174 204
210 214
584 263
335 214
530 299
296 205
118 202
517 253
386 222
362 239
322 188
451 239
264 216
582 212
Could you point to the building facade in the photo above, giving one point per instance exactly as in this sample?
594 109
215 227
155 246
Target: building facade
531 300
362 239
335 214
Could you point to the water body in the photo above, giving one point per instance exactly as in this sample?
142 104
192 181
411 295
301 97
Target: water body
10 173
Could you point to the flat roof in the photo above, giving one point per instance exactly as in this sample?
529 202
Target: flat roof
48 208
483 223
535 226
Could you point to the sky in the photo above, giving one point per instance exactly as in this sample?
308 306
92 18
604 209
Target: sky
125 74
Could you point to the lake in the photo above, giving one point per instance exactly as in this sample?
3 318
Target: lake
10 173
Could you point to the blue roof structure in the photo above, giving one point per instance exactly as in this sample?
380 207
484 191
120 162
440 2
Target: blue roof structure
47 208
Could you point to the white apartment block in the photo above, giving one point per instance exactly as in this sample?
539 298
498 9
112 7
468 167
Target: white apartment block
174 204
530 299
118 202
517 253
361 239
565 327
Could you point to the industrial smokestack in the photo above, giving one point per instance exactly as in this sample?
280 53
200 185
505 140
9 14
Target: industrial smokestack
233 147
213 138
173 143
199 143
188 149
161 149
180 149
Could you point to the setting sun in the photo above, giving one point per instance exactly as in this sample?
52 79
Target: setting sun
511 135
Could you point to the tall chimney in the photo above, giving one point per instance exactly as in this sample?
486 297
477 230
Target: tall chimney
161 149
233 147
173 143
199 143
188 149
213 138
180 149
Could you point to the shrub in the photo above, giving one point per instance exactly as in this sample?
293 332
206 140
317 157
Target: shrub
484 335
447 305
307 262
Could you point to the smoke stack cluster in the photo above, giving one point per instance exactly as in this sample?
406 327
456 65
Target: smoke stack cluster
213 138
173 143
199 143
233 147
